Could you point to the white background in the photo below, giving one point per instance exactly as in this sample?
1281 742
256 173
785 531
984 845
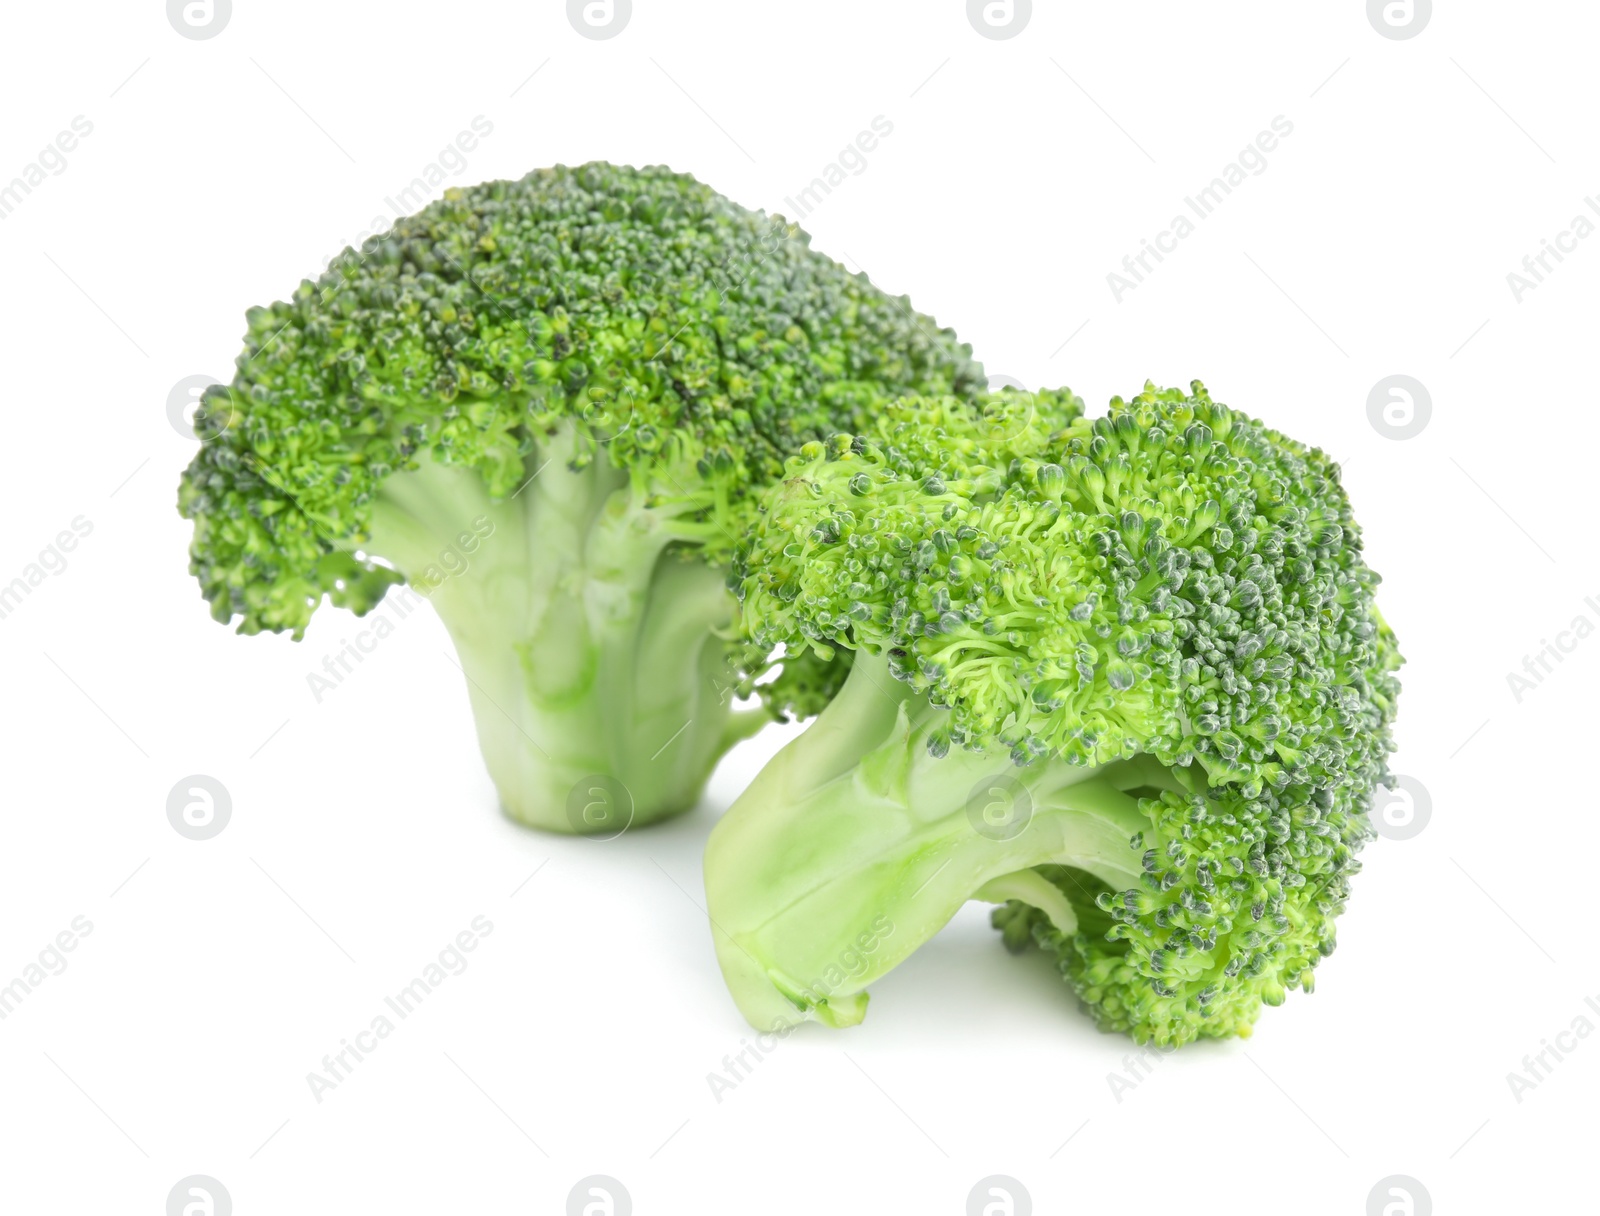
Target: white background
364 833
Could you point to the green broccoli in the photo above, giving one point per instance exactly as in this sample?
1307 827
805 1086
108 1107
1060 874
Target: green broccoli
1124 677
546 404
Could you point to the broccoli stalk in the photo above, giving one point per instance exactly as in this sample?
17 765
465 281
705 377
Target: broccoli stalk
550 404
589 635
1125 677
857 819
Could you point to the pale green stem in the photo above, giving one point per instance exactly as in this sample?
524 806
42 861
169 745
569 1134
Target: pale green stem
584 628
854 846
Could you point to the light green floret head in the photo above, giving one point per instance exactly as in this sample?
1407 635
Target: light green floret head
1123 676
546 405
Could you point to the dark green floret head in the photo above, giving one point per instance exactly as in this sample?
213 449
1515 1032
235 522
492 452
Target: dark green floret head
673 335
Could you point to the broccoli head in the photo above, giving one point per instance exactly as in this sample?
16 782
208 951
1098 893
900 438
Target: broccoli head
1124 677
545 405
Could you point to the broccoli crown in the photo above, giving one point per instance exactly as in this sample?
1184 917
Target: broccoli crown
690 341
1171 580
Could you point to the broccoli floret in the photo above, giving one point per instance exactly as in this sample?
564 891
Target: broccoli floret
1123 676
545 405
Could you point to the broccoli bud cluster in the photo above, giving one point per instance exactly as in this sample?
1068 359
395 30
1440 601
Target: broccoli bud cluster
1171 580
688 340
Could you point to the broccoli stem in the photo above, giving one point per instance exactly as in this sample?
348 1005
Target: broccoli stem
855 845
585 629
